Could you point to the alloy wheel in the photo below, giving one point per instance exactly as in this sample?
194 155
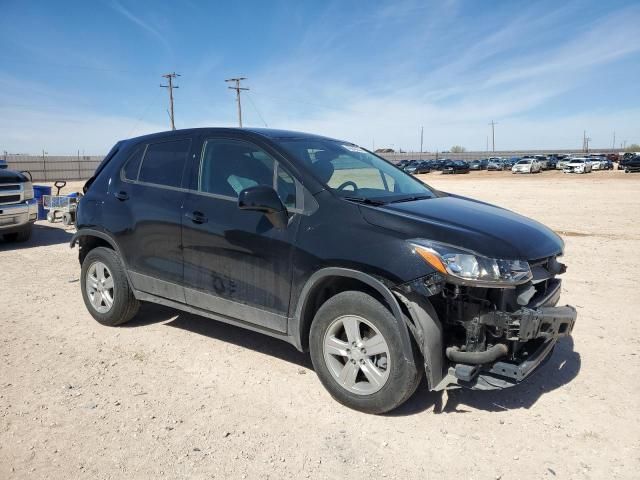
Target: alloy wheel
99 286
357 355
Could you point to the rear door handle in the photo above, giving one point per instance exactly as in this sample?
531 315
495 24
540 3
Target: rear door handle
197 217
122 196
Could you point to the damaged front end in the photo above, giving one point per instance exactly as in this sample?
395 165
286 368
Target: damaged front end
486 337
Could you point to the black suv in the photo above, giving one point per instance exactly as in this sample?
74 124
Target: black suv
325 245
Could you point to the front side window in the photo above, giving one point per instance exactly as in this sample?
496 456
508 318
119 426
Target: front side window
163 163
229 166
351 171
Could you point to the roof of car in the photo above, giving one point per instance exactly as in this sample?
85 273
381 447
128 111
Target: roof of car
264 132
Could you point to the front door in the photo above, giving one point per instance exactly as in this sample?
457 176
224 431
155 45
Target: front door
236 263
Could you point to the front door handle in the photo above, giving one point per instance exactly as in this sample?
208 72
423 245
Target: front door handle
122 195
197 217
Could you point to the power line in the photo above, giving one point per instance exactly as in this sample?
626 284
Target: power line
493 135
256 109
170 77
238 88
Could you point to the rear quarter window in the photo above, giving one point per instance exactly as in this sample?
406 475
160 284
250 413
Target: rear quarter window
132 166
163 163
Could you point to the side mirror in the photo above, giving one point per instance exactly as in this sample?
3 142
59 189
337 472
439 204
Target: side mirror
264 199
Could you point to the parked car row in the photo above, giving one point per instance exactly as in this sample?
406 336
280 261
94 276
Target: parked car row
578 163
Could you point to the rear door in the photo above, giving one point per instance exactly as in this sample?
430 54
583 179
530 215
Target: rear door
146 203
236 263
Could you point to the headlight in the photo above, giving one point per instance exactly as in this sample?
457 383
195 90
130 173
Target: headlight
469 268
28 191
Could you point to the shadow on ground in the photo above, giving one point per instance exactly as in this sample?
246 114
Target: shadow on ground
560 369
43 235
152 313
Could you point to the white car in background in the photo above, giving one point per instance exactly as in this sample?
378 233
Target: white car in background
526 165
598 163
543 161
578 165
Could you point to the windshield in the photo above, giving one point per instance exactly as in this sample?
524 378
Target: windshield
351 171
524 162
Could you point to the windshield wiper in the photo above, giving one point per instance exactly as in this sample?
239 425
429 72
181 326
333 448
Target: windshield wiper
364 200
411 199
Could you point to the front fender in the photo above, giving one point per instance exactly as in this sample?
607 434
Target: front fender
296 327
426 329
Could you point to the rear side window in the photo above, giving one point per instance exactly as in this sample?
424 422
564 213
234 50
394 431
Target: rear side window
163 163
131 168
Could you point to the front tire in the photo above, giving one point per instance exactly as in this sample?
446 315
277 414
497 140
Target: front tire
357 353
105 288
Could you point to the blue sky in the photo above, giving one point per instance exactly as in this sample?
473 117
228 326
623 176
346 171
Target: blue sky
85 74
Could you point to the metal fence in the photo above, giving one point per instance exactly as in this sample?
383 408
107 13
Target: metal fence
45 168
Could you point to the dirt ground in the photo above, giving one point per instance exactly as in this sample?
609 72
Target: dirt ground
178 396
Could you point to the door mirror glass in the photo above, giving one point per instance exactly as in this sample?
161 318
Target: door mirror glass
264 199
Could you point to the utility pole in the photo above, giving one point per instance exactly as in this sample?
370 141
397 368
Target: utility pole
237 88
585 141
421 140
613 145
170 77
493 135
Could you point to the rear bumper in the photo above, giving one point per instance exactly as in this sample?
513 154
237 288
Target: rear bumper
15 217
537 329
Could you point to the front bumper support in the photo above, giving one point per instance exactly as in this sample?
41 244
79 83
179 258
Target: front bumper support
544 324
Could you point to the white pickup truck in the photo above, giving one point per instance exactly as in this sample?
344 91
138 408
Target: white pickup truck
18 211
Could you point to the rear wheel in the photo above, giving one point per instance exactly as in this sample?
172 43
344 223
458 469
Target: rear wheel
357 353
105 288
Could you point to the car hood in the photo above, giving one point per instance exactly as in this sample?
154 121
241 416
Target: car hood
486 229
9 176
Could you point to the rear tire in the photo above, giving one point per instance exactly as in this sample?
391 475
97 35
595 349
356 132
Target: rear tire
373 382
105 288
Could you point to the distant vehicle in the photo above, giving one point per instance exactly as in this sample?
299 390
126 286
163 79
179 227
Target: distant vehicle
598 163
526 165
632 164
475 165
578 165
423 167
542 160
510 162
609 164
455 166
18 210
552 161
496 164
613 157
438 164
3 164
563 162
402 163
410 166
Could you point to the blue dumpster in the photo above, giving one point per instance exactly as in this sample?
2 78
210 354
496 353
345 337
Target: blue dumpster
38 192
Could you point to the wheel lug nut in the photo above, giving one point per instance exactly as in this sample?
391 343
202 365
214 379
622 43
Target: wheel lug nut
353 361
363 351
361 361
